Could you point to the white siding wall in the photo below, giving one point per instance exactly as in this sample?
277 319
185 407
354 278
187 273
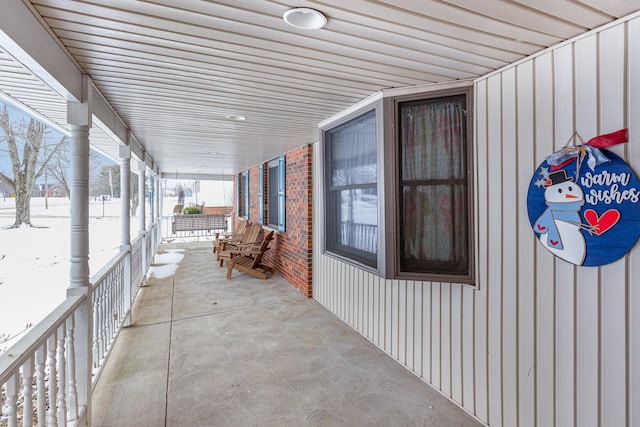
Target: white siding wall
540 342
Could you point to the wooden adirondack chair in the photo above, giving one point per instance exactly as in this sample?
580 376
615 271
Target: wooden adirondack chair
250 236
236 236
248 259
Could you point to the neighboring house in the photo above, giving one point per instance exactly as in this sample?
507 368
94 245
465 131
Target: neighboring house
51 190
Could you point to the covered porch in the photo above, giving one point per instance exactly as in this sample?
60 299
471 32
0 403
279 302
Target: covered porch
227 90
204 350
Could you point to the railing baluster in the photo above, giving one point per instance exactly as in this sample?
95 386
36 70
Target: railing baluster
27 393
122 304
72 390
61 400
96 332
46 356
108 288
11 407
100 324
41 385
52 419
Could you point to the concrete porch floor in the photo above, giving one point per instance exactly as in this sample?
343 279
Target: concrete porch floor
207 351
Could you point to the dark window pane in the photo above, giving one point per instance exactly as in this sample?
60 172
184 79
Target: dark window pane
434 229
351 195
273 196
358 219
353 152
434 219
432 139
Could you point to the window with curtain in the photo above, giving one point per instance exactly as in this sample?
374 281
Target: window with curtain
351 190
433 188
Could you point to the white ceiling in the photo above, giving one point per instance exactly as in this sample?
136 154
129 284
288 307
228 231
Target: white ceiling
174 69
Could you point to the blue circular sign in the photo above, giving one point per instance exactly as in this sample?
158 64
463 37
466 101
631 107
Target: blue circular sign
586 217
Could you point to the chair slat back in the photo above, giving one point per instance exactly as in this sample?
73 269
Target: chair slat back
241 227
263 248
252 233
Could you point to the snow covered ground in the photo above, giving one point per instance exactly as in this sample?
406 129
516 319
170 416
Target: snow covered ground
34 262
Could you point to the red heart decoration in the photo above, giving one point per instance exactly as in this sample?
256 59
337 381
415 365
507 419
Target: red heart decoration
540 227
604 222
554 242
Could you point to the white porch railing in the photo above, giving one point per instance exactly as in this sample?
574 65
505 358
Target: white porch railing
109 307
137 264
38 374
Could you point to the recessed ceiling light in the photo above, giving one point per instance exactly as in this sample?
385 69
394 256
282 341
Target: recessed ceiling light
236 118
305 18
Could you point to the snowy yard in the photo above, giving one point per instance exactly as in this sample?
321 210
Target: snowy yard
34 262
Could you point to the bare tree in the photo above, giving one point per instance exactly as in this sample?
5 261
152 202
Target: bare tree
59 167
25 140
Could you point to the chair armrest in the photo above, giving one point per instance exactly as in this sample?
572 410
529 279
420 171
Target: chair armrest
229 237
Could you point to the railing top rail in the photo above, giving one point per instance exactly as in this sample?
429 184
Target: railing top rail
138 238
19 353
108 268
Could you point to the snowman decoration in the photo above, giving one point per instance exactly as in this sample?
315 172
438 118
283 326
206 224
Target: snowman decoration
560 224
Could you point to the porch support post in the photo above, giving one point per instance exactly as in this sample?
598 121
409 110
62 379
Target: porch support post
79 118
125 232
142 183
79 207
158 198
158 236
141 196
125 197
152 198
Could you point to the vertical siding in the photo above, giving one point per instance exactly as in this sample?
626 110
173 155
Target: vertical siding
480 320
613 371
633 290
510 186
565 272
545 265
525 276
539 342
585 91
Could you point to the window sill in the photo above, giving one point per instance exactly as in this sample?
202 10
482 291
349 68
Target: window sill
352 262
431 277
272 228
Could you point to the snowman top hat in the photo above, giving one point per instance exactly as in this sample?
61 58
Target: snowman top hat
558 177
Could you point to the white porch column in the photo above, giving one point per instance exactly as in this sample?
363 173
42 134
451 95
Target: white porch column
125 226
152 198
158 232
79 206
142 182
141 196
125 197
79 117
158 198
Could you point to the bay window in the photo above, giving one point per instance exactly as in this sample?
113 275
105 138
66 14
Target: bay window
398 193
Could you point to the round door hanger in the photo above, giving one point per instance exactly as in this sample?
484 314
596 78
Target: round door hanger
587 215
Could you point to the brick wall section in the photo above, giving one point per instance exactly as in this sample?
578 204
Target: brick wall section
291 251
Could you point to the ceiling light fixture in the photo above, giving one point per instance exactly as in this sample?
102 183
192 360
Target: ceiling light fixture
236 118
305 18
